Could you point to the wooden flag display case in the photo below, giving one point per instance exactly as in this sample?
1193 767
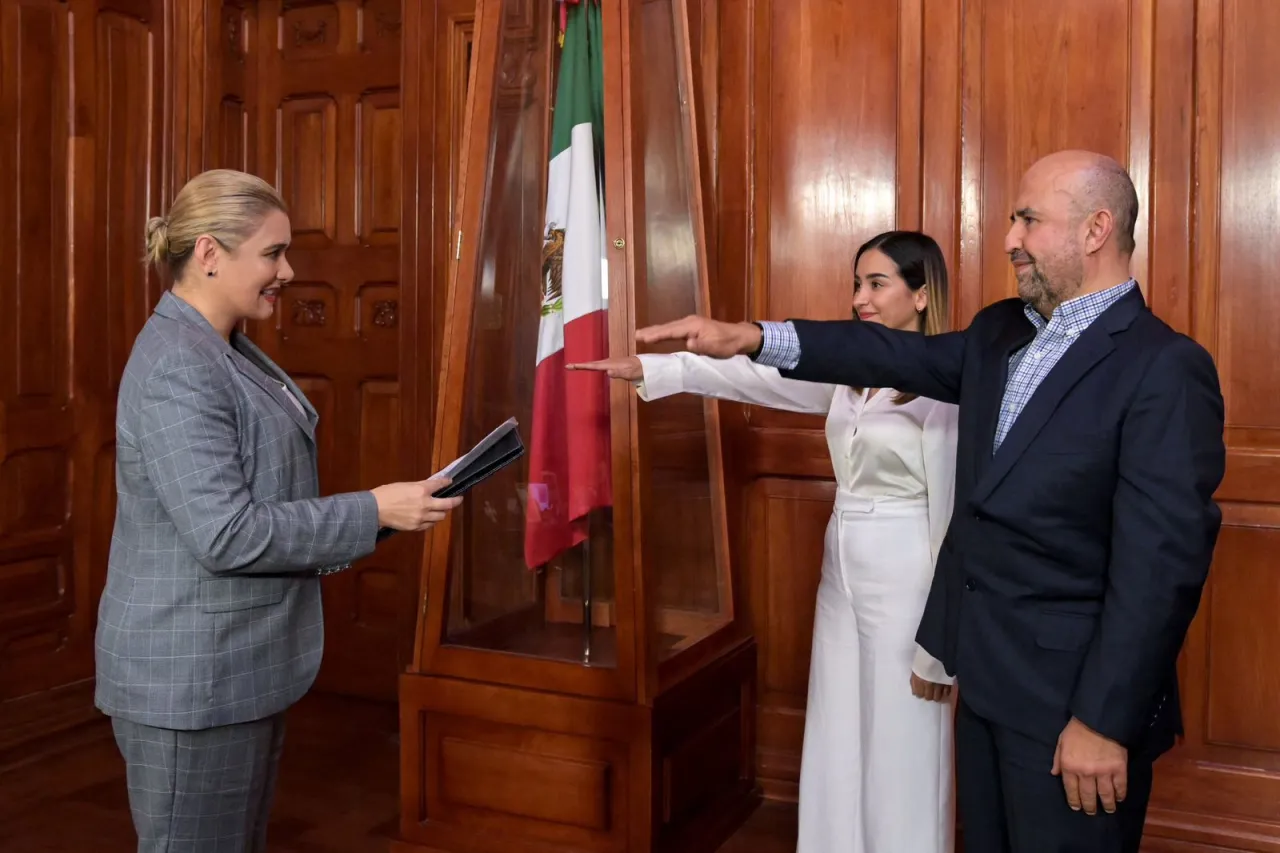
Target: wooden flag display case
602 700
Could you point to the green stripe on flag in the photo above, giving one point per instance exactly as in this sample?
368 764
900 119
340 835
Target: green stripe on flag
580 91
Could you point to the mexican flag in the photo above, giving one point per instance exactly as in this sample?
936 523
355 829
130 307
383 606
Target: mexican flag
569 462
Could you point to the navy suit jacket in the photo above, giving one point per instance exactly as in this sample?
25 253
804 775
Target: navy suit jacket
1077 552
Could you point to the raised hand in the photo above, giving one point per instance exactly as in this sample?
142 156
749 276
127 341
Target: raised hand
705 336
413 506
628 368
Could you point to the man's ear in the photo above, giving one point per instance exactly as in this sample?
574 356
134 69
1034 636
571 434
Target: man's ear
1098 228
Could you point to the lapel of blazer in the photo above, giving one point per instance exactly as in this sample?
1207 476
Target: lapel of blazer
254 363
1093 345
253 354
176 308
995 374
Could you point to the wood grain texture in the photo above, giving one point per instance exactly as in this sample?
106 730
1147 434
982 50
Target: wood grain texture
823 122
830 133
81 163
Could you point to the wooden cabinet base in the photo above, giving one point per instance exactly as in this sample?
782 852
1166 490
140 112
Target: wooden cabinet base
494 769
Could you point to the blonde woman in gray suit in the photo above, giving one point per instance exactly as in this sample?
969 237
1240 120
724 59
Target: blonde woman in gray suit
210 625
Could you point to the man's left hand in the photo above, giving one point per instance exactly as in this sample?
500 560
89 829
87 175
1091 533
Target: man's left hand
1092 767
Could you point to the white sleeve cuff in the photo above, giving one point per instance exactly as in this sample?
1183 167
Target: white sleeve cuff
929 668
663 376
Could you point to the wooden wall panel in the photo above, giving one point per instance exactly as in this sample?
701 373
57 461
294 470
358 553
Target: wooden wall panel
835 121
80 167
234 131
814 193
126 134
1045 76
787 530
1228 769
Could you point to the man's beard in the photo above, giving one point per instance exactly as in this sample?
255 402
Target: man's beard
1042 291
1036 290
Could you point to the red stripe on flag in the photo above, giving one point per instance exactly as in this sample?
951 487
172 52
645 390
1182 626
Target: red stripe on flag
569 450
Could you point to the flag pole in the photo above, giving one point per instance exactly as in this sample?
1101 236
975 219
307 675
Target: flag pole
586 595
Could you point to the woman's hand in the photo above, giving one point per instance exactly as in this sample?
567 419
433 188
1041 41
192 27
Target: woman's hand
412 506
929 690
628 368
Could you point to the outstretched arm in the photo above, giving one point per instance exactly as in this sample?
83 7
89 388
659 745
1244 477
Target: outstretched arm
845 352
867 355
738 379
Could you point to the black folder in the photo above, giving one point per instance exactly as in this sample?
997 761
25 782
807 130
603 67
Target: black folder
494 452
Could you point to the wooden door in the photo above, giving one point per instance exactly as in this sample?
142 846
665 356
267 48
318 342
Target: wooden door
329 137
80 155
308 95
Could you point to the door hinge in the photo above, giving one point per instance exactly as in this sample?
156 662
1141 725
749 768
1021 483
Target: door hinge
457 252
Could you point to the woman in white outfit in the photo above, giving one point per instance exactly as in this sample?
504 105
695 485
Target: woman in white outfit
876 773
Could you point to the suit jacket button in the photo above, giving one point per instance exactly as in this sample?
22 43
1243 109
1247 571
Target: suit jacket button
970 585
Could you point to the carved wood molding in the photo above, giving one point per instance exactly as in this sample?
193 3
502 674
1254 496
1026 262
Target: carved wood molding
385 313
309 312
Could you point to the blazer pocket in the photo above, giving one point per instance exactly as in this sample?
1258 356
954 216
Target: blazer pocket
1064 632
224 595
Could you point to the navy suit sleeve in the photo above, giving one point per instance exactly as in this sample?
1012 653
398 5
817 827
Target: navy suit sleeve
1164 528
867 355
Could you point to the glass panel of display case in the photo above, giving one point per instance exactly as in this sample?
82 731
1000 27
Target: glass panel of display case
682 515
522 541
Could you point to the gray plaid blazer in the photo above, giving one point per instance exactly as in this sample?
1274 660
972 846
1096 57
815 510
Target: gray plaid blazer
211 613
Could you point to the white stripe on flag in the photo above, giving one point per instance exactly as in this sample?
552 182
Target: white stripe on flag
582 238
550 335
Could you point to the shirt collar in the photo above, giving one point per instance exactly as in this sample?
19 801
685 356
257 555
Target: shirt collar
1075 315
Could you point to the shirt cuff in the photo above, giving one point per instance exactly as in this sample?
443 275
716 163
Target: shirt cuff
929 668
779 346
663 376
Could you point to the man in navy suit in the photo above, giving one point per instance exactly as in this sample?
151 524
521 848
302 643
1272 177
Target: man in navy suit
1090 446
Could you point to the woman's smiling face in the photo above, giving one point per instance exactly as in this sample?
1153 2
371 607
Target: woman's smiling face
881 295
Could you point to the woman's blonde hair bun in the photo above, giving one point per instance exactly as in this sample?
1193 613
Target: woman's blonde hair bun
157 240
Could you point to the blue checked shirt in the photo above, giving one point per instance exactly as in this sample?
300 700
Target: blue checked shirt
1028 366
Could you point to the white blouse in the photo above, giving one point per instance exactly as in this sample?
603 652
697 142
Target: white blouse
878 448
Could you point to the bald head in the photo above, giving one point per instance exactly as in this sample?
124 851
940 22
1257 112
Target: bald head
1094 182
1071 231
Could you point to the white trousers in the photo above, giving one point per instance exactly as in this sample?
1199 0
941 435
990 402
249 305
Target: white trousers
876 772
